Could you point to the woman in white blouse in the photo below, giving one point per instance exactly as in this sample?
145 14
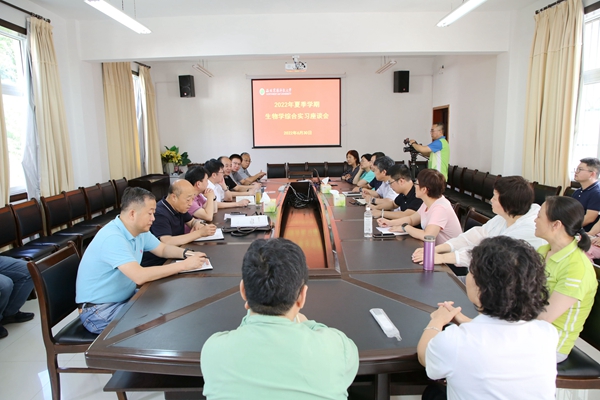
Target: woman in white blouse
515 215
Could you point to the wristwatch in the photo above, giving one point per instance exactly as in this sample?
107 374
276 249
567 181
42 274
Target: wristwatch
185 253
373 201
404 226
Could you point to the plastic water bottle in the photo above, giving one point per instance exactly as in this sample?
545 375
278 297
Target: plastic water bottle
368 222
428 253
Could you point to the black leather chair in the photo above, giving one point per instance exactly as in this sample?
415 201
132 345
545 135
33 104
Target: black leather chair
9 237
317 169
58 215
109 195
297 166
96 209
580 371
569 191
450 181
54 280
30 223
473 219
336 169
540 192
120 186
276 171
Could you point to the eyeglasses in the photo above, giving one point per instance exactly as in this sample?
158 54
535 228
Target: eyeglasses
392 182
221 172
416 183
581 169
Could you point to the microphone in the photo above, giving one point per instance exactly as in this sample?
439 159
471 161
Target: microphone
318 177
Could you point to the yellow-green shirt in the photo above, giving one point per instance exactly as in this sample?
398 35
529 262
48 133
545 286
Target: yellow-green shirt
571 273
270 357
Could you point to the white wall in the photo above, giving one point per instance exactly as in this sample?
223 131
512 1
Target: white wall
218 121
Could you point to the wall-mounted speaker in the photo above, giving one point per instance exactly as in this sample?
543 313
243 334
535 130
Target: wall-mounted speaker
401 81
186 86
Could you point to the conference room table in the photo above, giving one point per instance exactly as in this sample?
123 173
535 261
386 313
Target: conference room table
164 326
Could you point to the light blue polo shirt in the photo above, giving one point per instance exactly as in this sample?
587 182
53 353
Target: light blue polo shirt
99 279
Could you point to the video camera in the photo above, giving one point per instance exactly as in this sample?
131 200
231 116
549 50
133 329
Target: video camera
408 148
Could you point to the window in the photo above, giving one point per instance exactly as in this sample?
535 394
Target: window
140 110
587 138
14 97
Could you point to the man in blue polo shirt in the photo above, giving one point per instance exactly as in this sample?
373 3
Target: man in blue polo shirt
588 195
110 268
171 218
438 150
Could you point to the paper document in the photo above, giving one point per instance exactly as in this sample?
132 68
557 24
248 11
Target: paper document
387 230
250 221
353 194
249 198
228 215
217 236
207 266
362 202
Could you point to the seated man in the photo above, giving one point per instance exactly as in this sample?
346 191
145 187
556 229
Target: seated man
110 268
384 195
277 353
588 195
406 202
231 183
243 176
223 196
375 183
15 287
203 205
171 218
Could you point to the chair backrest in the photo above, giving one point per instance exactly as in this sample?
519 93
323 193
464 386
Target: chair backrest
569 191
54 278
488 186
478 180
30 221
276 171
319 167
473 219
336 169
450 181
457 178
591 328
56 210
94 200
298 166
109 195
540 192
120 186
8 232
467 180
77 204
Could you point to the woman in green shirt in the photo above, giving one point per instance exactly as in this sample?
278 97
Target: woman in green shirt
572 281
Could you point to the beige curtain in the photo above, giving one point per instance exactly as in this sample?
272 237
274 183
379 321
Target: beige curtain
54 157
121 127
4 161
554 69
153 162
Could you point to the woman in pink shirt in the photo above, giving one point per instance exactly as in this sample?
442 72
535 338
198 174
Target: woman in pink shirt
435 216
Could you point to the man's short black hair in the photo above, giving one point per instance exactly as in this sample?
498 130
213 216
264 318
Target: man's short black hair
135 196
511 278
400 171
384 163
441 126
592 163
234 156
195 174
213 166
514 194
274 272
378 154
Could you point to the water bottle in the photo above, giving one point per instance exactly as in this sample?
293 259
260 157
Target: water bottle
368 222
428 253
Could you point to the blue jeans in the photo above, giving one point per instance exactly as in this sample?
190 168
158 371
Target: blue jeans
96 318
15 285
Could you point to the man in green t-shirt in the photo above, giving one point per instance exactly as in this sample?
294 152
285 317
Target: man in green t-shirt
276 353
438 150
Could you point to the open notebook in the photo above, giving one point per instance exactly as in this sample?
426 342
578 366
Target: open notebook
207 266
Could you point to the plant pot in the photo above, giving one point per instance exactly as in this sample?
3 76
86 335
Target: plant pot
170 168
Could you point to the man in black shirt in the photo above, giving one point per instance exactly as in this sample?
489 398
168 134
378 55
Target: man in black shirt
230 182
406 203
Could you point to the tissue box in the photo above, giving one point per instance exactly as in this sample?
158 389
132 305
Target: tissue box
270 207
325 188
339 201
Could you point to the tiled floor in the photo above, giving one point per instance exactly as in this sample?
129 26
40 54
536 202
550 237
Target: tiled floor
23 374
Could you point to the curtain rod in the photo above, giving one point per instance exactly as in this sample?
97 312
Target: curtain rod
138 63
25 11
549 6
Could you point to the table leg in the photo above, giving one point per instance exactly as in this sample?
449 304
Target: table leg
383 387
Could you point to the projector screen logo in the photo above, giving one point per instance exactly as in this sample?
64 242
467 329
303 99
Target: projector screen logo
262 91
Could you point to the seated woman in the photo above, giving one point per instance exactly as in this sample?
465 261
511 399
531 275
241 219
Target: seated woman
365 175
504 352
515 215
436 216
353 163
571 277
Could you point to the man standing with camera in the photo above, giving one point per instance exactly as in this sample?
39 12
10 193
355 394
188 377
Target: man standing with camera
438 150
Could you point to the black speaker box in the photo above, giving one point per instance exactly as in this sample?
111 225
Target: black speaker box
401 81
186 86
